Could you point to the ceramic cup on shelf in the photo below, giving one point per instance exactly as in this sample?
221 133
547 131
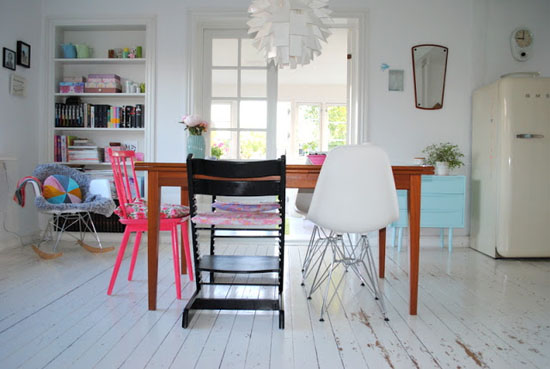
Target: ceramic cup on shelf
83 51
69 51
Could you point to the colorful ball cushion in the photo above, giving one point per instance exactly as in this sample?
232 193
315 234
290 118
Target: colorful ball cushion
243 207
60 189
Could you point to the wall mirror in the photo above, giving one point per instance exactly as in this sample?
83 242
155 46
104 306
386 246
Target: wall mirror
429 69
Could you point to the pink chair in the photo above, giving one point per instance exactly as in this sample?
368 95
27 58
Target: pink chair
133 213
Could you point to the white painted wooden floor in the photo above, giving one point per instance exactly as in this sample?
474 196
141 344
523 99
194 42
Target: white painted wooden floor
474 312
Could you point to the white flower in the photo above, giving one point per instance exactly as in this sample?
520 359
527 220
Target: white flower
192 120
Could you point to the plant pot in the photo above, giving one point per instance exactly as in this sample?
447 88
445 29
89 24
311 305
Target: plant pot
441 168
196 146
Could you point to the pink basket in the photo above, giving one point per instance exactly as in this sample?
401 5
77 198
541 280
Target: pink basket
317 159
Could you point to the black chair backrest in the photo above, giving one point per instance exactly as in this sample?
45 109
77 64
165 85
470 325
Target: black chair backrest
236 178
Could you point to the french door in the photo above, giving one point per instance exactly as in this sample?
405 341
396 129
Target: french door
240 96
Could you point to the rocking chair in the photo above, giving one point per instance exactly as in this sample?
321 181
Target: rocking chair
96 198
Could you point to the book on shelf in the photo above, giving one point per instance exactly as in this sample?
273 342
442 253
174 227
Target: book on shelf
86 115
74 149
61 144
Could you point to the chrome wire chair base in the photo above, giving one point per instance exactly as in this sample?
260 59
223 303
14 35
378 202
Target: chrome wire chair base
355 256
312 256
59 223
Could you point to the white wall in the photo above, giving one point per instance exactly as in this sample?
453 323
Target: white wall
475 31
19 116
494 22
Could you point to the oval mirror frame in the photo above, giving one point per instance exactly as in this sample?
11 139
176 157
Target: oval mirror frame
429 73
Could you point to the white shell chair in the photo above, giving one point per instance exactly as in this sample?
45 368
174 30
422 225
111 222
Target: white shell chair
355 194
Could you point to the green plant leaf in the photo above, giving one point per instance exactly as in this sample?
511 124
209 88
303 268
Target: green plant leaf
446 152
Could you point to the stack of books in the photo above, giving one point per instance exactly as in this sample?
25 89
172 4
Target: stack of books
83 150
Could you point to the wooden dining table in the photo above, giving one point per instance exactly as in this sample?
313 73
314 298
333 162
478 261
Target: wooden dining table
297 176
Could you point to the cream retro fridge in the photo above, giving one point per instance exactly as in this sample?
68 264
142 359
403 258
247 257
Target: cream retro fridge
510 209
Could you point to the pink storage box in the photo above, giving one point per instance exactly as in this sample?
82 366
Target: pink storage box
317 159
71 87
104 78
104 84
74 79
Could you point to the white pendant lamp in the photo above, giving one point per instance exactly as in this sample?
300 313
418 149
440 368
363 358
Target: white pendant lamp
289 31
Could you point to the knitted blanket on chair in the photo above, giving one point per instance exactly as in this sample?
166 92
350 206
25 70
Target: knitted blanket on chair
90 202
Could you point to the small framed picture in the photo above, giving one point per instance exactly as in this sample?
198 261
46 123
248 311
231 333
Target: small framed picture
395 80
23 54
8 58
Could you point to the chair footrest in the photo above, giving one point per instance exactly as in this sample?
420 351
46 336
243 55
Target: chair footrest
235 304
239 264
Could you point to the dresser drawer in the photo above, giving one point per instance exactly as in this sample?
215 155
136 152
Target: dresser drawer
443 184
431 201
442 202
442 219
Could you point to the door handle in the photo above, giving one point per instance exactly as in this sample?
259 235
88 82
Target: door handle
529 135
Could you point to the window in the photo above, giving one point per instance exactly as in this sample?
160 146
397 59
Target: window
315 127
239 96
258 111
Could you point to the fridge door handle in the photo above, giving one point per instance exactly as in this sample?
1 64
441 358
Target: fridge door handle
529 135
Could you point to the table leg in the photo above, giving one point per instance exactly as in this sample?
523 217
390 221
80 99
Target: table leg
381 252
414 235
153 200
184 200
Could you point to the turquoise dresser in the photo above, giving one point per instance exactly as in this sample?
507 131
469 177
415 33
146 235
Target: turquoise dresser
442 206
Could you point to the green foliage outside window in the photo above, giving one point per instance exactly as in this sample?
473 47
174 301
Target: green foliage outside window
254 147
337 118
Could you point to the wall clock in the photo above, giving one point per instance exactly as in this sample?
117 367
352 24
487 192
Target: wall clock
521 43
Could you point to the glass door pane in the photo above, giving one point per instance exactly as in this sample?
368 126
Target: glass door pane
337 126
223 140
253 145
308 129
240 94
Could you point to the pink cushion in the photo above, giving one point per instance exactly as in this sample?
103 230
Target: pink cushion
138 210
237 218
243 207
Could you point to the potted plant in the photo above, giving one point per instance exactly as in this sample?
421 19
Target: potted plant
444 156
217 150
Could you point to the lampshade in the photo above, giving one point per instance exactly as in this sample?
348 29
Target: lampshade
289 31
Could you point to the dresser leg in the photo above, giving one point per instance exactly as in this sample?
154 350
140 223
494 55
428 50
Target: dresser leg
450 239
399 239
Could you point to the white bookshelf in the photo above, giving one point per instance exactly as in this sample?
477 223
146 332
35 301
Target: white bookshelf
101 34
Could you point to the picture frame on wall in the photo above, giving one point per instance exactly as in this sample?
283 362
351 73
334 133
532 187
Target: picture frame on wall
8 58
23 54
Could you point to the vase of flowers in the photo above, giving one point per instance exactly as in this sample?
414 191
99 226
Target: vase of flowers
196 126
